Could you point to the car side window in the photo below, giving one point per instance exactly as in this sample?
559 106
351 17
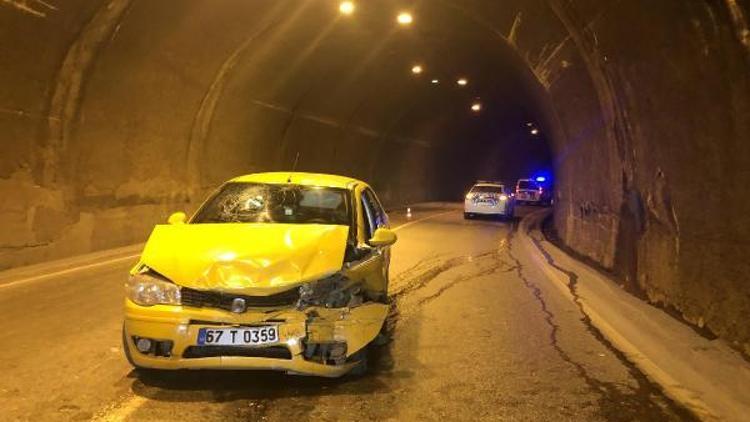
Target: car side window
369 214
383 214
381 218
375 216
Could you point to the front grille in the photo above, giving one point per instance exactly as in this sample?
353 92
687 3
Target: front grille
272 352
208 299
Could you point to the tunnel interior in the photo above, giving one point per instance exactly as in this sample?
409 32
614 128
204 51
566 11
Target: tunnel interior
117 112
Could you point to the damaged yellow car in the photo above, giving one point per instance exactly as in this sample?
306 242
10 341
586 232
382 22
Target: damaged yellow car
276 271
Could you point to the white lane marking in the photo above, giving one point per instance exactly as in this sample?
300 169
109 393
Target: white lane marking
405 225
68 271
121 411
131 257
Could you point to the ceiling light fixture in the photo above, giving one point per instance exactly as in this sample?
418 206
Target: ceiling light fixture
346 7
404 18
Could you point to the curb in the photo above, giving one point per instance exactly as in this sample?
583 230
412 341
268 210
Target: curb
706 376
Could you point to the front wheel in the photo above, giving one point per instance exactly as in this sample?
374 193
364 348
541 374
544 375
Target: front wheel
361 368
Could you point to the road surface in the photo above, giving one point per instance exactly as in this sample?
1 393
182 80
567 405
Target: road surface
478 334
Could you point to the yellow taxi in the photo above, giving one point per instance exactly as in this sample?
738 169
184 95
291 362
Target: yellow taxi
275 271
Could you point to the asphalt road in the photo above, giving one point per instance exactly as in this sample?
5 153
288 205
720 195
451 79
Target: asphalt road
478 334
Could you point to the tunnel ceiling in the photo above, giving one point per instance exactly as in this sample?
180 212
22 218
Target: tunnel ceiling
116 112
244 73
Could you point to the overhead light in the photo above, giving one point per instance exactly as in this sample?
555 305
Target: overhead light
476 107
435 81
346 7
404 18
529 124
417 69
462 82
535 131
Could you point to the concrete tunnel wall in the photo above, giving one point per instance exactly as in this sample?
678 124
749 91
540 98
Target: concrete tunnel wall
114 113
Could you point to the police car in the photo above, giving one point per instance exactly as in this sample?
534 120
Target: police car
489 198
533 192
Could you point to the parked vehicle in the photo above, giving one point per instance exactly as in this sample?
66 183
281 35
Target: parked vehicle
489 198
529 191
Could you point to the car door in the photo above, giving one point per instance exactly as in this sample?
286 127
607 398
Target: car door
372 267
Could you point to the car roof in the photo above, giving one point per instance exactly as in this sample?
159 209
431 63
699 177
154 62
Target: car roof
491 184
300 178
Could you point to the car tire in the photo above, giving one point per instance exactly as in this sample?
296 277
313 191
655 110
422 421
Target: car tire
382 339
360 369
468 216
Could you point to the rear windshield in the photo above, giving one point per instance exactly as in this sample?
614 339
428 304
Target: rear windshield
487 189
272 203
527 184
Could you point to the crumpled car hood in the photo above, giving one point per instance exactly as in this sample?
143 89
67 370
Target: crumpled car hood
253 259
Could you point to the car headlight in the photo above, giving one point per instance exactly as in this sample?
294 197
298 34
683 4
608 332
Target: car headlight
147 288
336 291
503 197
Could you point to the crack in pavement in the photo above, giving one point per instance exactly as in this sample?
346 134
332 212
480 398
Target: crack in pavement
399 312
458 280
614 404
420 280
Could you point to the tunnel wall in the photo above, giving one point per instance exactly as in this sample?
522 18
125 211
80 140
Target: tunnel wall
115 113
119 113
652 112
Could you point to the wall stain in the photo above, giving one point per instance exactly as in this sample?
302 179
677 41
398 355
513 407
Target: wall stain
740 23
37 8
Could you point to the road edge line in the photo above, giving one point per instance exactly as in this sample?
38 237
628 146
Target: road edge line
27 280
411 223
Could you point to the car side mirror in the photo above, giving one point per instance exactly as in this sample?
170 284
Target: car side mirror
383 237
177 218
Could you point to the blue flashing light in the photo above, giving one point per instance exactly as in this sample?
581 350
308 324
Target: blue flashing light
541 179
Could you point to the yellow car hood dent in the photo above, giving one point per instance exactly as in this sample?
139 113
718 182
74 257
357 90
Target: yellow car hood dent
259 259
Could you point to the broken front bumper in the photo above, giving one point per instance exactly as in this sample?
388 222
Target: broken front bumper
177 327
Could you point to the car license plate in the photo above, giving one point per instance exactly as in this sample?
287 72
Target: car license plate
235 336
